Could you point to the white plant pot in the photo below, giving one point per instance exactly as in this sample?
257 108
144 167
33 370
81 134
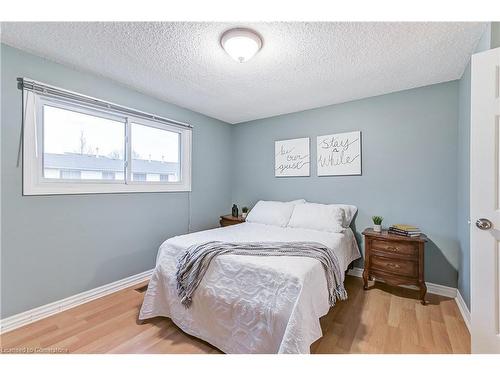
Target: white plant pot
244 215
377 228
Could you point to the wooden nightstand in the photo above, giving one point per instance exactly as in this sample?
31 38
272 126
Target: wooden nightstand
396 260
227 220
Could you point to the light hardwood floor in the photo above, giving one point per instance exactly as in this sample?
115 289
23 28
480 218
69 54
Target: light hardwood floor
381 320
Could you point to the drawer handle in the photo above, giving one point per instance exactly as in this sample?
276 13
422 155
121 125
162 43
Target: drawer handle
392 248
392 265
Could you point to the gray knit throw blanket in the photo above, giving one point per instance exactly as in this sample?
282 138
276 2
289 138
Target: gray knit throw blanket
194 263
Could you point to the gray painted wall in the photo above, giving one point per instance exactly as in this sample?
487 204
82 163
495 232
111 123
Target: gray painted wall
495 34
409 162
463 182
57 246
463 173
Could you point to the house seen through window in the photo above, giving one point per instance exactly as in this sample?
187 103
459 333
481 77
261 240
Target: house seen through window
78 146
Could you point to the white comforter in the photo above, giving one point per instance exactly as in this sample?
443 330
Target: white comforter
250 304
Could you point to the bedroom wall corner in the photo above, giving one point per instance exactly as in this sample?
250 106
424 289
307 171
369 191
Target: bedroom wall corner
409 171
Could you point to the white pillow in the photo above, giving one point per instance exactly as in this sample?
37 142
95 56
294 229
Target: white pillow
324 217
298 201
349 211
271 213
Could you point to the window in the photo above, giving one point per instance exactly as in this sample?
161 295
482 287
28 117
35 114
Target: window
73 147
155 152
90 144
70 175
139 176
111 175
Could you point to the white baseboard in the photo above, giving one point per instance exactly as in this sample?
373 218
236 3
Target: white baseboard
30 316
464 310
440 290
356 271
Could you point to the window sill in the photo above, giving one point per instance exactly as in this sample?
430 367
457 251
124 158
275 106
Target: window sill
63 188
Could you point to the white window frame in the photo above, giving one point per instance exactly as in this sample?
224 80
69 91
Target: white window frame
34 182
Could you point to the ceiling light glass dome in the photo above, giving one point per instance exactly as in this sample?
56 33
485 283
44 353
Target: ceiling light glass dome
241 44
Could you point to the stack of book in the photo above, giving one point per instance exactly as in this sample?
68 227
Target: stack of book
404 230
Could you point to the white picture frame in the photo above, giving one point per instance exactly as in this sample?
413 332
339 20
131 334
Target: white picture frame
292 158
339 154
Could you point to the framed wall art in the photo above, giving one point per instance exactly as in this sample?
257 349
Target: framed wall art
339 154
292 158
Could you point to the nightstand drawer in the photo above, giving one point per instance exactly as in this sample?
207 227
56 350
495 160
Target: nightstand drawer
395 266
226 220
225 223
406 249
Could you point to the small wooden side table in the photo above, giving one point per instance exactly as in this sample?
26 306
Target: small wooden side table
226 220
396 260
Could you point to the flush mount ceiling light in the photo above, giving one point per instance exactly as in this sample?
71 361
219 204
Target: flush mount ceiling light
241 44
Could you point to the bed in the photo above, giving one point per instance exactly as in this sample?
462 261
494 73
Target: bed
250 304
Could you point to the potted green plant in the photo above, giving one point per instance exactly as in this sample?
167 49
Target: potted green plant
377 223
244 212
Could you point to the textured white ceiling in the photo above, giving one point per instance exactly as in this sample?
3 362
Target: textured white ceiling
301 65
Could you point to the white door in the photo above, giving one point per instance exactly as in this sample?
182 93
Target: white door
485 202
